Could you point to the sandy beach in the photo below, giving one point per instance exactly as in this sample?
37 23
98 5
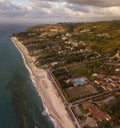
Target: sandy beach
45 89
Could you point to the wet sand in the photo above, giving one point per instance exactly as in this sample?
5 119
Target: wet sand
45 89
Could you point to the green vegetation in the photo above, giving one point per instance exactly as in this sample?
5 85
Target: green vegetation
88 52
113 109
69 43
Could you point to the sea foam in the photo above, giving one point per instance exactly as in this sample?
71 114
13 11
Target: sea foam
45 111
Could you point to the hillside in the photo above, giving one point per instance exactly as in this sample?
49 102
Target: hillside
46 41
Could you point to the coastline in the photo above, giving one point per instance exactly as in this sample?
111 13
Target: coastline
45 89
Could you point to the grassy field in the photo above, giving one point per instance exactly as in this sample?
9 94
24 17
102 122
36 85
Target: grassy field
75 93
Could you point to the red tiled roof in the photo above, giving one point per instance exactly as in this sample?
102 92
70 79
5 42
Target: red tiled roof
101 75
93 109
117 84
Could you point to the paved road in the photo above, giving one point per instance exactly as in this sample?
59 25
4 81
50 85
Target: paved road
65 102
80 63
95 96
69 105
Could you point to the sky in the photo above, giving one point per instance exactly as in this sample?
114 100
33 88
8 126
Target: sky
54 11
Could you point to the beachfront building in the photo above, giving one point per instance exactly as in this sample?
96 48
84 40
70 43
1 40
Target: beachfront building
79 81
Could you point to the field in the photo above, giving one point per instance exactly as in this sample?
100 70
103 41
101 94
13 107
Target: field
75 93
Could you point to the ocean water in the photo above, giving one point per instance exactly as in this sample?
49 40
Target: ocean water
20 105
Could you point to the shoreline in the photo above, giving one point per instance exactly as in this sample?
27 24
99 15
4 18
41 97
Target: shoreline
34 83
51 101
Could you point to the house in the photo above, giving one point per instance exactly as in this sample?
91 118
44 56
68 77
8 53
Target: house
94 75
75 44
117 69
109 79
99 82
105 88
64 38
118 93
109 88
117 84
67 81
117 55
106 79
115 77
54 63
100 75
53 30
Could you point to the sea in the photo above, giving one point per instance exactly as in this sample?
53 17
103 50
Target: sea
20 104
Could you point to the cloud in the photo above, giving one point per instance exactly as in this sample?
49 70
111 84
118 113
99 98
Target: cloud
98 3
40 3
76 7
58 10
8 9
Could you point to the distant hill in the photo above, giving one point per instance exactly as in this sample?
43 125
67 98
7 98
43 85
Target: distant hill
70 38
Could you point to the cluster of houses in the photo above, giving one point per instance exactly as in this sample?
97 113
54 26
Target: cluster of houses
107 83
103 35
95 112
66 38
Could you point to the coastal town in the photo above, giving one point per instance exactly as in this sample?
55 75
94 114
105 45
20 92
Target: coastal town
82 62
